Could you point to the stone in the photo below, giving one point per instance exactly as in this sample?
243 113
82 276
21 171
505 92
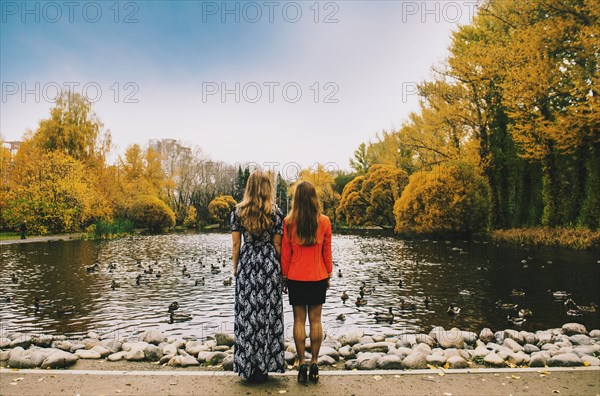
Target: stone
390 362
539 359
92 334
153 336
228 363
481 351
366 340
451 339
378 337
64 345
512 345
351 364
407 341
24 359
175 361
42 340
325 360
22 340
548 347
530 338
457 362
89 343
422 348
347 352
76 346
515 358
590 360
367 361
329 351
573 328
165 359
350 338
514 335
59 360
221 348
580 339
194 347
4 355
224 339
101 350
402 352
134 355
436 359
586 350
435 332
594 333
530 348
187 361
373 347
415 361
424 338
544 337
499 336
216 358
565 360
469 337
492 359
111 344
87 354
4 342
129 346
115 357
289 357
169 349
153 353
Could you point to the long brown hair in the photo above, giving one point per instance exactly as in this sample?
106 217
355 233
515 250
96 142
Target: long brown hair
305 213
256 209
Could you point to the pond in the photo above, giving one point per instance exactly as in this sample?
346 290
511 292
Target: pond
469 274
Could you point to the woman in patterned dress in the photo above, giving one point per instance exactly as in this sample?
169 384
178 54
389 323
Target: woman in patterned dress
258 326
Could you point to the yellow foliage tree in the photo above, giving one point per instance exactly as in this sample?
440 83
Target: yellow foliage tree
55 193
191 220
368 200
450 201
220 209
151 213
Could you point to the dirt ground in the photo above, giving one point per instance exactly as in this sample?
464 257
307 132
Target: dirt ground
153 380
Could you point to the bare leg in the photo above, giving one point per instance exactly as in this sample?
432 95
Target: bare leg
300 331
316 331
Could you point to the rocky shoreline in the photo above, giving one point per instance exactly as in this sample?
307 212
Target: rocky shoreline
569 346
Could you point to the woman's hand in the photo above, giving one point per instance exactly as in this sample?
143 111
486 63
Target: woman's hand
284 287
328 283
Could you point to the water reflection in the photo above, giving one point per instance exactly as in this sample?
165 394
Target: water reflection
396 273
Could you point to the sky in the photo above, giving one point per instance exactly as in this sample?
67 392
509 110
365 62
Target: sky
282 82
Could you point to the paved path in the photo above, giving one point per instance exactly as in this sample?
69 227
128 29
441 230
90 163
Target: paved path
62 237
580 381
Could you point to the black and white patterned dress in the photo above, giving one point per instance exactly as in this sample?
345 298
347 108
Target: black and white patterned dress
258 325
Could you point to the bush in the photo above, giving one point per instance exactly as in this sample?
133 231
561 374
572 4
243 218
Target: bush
151 213
104 229
574 238
191 220
447 201
220 208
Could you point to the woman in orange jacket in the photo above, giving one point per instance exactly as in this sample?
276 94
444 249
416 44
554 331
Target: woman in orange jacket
306 268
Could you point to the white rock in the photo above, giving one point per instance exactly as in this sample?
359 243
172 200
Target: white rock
101 350
325 350
486 335
451 339
228 363
368 360
115 357
58 360
390 362
134 355
492 359
346 352
224 339
573 328
325 360
457 362
415 361
87 354
512 345
590 360
350 338
565 360
436 359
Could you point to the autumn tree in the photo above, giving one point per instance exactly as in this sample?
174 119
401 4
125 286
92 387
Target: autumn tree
152 213
220 209
453 200
368 200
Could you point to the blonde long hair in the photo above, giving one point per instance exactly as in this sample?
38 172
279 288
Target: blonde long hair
256 209
305 214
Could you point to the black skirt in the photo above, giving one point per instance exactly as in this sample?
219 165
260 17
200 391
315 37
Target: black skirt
307 292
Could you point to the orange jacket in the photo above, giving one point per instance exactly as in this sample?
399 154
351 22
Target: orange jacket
307 263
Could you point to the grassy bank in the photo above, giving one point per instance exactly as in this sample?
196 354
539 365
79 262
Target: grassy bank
9 235
564 237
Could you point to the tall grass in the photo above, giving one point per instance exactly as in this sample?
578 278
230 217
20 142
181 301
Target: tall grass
573 238
115 229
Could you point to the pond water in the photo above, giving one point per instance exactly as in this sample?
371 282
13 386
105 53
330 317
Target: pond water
55 272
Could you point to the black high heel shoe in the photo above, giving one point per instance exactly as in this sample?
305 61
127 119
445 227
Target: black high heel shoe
313 376
302 375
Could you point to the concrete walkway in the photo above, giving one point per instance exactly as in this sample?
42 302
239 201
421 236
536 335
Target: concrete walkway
547 381
51 238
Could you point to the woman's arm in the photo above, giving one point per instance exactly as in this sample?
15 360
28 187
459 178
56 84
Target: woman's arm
277 244
286 252
237 242
327 249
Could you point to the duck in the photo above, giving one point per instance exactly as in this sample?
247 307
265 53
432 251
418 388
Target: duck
187 275
112 266
64 309
214 269
360 302
452 310
92 268
138 279
227 282
149 270
466 292
224 263
199 282
506 306
517 293
559 294
365 289
158 275
114 284
574 312
7 299
570 304
183 270
517 321
593 307
407 305
384 316
400 283
339 273
139 264
174 306
341 317
179 317
427 301
525 313
345 297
